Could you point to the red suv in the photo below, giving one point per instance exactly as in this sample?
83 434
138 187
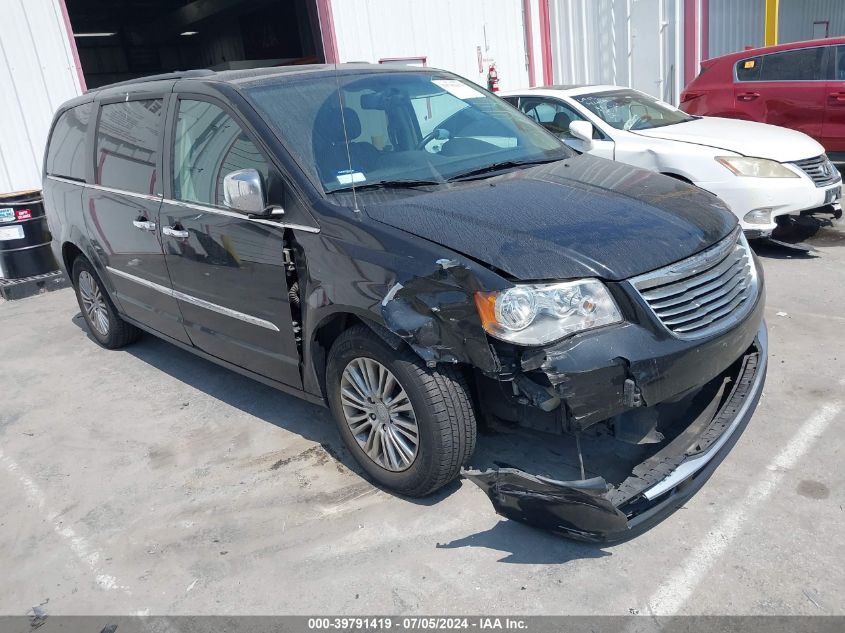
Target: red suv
799 85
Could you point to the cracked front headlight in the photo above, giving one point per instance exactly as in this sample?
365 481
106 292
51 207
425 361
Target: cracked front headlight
756 167
536 314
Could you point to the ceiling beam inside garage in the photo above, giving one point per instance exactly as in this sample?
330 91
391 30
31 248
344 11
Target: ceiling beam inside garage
189 15
195 12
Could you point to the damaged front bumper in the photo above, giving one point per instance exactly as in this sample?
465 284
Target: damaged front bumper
594 510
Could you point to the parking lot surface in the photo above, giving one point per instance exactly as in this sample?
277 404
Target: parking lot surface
147 480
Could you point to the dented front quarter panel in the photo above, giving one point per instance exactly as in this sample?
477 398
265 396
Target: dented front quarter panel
436 316
418 291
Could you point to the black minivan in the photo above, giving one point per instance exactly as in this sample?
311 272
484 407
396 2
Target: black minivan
408 249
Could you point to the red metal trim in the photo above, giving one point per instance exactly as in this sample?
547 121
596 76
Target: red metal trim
529 41
327 32
690 34
546 42
75 52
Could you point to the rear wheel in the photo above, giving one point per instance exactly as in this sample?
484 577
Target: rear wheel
410 428
100 315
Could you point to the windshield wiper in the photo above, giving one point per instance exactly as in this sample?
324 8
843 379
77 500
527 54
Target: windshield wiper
505 164
388 184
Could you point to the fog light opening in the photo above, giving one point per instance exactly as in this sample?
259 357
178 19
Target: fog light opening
759 216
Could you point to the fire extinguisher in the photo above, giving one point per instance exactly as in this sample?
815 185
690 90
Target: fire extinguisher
492 79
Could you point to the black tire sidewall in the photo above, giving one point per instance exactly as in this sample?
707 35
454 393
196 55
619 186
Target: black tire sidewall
80 265
404 370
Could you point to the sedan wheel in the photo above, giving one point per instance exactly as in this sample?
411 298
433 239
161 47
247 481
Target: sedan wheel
93 304
379 414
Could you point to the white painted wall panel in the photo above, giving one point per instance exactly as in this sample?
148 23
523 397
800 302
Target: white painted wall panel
37 73
795 22
735 24
622 42
445 32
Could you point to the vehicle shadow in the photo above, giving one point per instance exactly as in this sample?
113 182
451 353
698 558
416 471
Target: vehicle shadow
525 545
288 412
798 235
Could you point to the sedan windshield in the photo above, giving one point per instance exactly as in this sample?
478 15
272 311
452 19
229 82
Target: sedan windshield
400 129
631 110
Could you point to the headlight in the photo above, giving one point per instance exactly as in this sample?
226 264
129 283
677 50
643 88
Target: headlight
756 167
535 314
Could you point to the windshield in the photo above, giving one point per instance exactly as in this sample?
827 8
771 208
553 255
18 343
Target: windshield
411 128
632 110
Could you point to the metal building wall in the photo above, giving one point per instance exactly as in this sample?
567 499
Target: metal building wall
735 24
37 73
632 43
796 17
447 33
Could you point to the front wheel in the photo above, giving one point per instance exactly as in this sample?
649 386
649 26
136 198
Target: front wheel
410 428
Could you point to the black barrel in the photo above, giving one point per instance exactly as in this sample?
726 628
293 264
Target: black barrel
24 236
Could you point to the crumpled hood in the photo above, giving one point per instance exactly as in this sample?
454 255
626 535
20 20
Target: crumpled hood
743 137
582 217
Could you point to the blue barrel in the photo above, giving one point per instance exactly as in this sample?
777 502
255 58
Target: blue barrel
24 236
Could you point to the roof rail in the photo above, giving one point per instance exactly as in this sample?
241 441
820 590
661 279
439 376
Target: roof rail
179 74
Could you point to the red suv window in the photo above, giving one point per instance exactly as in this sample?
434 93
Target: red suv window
803 64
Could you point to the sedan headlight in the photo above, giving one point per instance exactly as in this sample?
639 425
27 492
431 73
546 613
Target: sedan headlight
535 314
756 167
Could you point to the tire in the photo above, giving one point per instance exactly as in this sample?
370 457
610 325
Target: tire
104 323
440 407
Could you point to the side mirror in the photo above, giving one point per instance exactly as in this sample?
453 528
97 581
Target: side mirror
242 191
583 131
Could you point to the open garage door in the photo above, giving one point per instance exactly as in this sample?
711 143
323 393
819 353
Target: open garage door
132 38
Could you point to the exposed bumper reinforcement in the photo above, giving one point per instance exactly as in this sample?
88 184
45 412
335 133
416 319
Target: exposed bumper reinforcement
593 510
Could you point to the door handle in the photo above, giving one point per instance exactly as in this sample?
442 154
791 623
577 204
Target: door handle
747 96
174 232
144 225
839 97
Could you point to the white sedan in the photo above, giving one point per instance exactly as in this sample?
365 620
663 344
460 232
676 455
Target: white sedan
760 171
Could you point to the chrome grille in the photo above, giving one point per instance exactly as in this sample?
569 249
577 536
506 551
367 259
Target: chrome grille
704 294
820 170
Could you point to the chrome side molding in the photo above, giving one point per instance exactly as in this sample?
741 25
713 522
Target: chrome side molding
202 303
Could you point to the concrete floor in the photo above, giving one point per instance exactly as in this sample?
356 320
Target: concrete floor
150 481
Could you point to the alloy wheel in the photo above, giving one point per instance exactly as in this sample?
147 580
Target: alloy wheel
93 303
379 414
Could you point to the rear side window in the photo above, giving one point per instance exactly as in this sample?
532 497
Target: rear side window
128 146
749 69
805 64
66 154
208 145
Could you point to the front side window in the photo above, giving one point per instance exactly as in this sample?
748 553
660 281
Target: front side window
389 127
804 64
632 110
128 146
208 144
552 114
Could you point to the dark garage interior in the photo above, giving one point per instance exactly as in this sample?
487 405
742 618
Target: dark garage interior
132 38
